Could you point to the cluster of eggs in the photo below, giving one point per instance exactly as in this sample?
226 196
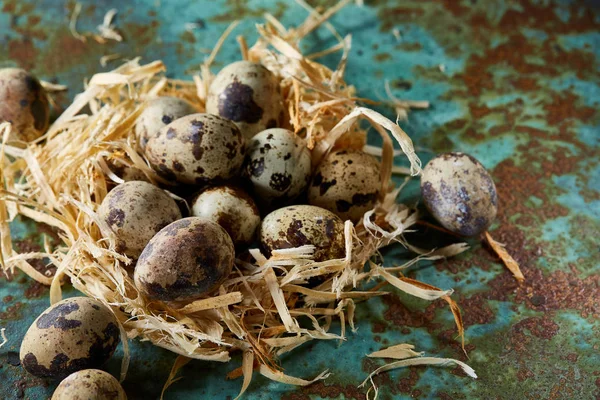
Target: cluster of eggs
254 181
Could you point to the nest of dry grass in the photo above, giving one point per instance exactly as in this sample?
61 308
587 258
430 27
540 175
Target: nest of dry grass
62 178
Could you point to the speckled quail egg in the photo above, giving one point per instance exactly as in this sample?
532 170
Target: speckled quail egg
185 260
346 183
248 94
135 211
278 165
459 193
301 225
89 384
24 103
74 334
197 149
231 208
158 113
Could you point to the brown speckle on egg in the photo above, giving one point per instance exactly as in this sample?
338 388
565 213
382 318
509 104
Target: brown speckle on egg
296 226
278 165
185 260
89 384
197 149
230 207
23 103
248 94
459 193
74 334
135 211
346 183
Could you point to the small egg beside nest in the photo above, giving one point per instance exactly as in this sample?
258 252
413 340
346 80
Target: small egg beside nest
135 211
248 94
197 149
346 183
89 384
231 208
159 113
74 334
278 165
185 260
296 226
23 103
460 193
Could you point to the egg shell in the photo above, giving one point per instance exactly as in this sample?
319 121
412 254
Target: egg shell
185 260
126 172
278 165
197 149
248 94
23 103
346 183
135 211
89 384
159 113
459 193
231 208
301 225
74 334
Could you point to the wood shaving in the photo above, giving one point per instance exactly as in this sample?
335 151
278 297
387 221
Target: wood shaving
3 336
506 258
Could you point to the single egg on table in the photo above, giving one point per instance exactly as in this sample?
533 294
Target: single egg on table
346 183
89 384
278 165
248 94
230 207
460 193
135 211
296 226
159 113
74 334
23 103
185 260
197 149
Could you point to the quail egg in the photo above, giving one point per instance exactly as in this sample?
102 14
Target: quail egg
460 193
197 149
23 103
231 208
278 165
158 113
135 211
346 183
74 334
248 94
89 384
185 260
296 226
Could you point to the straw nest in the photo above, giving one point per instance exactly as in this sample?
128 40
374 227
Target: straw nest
61 179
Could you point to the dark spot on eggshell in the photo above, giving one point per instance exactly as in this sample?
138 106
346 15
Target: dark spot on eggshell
23 103
166 173
236 103
324 186
257 167
174 228
177 166
96 307
330 228
280 182
56 317
116 217
167 119
171 133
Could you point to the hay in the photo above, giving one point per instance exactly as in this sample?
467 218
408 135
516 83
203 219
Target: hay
62 179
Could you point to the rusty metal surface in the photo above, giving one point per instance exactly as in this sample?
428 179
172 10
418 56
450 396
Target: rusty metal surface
514 83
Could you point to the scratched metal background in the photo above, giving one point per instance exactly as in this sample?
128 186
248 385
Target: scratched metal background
515 83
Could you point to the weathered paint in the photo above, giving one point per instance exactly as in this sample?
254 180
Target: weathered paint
513 83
